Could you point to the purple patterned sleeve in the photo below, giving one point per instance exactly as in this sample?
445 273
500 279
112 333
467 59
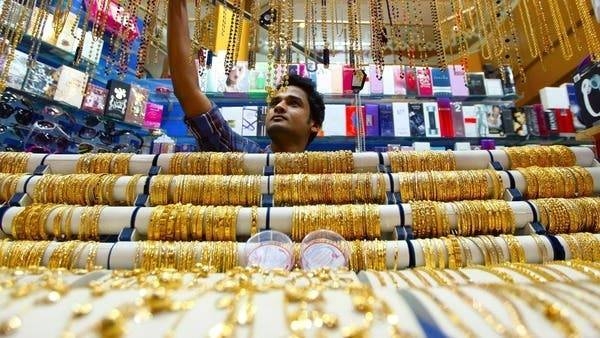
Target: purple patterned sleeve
214 134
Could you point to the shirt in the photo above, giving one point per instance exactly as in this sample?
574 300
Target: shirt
214 134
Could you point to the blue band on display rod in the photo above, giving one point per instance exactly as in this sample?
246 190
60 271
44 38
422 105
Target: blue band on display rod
268 220
155 160
402 215
3 210
557 247
147 185
109 255
412 260
380 155
491 156
533 211
27 183
44 159
511 179
133 216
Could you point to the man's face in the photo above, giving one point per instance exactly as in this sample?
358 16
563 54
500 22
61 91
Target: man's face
289 113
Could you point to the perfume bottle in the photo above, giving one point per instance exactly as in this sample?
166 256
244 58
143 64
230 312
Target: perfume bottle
508 81
433 129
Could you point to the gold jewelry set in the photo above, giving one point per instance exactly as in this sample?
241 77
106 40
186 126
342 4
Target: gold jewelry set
540 156
565 182
207 163
14 163
450 185
411 161
314 162
108 163
179 222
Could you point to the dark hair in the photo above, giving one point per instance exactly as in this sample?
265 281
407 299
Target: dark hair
315 99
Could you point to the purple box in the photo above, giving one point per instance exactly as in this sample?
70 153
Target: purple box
457 81
372 119
376 84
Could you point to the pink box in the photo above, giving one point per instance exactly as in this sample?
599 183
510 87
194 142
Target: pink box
457 81
153 116
424 84
376 84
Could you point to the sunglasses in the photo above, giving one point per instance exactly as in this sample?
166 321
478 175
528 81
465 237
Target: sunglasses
47 137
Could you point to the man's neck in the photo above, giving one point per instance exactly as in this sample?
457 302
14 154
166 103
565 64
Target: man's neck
287 148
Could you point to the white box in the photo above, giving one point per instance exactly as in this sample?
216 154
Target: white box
401 121
335 120
554 97
70 87
493 87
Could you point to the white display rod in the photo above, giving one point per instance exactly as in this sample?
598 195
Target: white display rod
255 163
113 219
124 255
267 185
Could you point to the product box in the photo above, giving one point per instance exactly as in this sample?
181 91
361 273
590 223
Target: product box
118 96
333 125
347 75
17 70
372 119
336 83
250 120
375 84
507 118
432 119
410 74
352 120
552 122
92 49
66 40
574 106
532 121
153 115
95 99
388 81
445 114
441 82
458 85
401 119
458 122
565 119
519 122
386 120
554 98
399 80
542 120
472 121
70 88
46 32
136 105
424 84
476 84
416 120
494 120
493 87
324 79
588 94
41 80
237 79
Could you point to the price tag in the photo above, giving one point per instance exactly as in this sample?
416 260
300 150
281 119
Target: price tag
270 256
321 254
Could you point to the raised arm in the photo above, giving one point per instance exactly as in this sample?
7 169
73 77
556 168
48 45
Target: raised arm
184 73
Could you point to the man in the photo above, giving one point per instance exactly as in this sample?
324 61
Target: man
293 120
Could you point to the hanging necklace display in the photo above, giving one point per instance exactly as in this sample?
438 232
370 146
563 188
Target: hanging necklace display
98 30
377 37
457 9
395 27
530 36
61 12
353 39
561 30
590 33
324 33
8 21
115 43
126 39
234 36
359 49
437 35
40 22
287 23
421 37
253 34
271 40
15 39
5 9
513 40
566 4
148 29
410 51
162 9
547 45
